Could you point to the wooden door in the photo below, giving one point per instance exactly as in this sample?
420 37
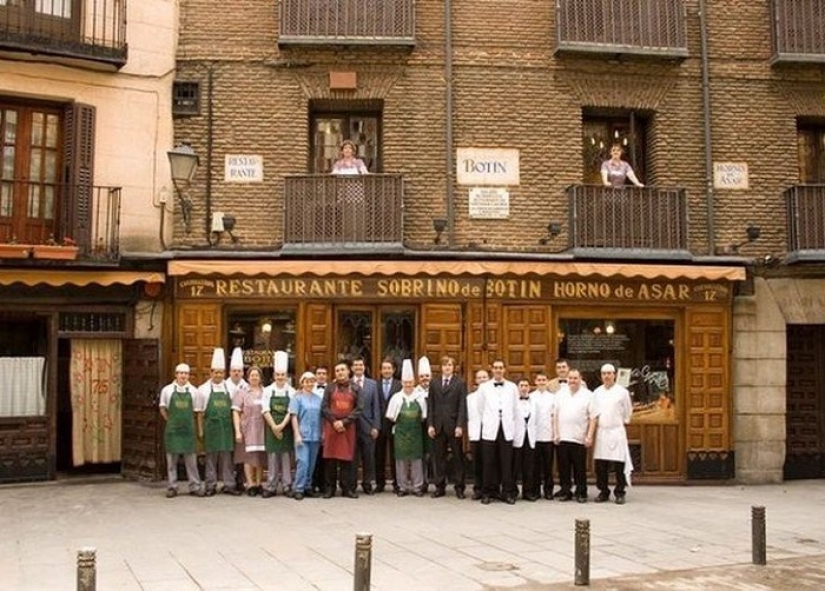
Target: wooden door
141 448
199 332
526 340
485 335
443 328
805 416
317 336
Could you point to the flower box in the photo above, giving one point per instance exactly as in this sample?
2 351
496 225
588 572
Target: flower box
15 251
61 253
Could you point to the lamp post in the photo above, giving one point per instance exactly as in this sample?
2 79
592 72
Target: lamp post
182 164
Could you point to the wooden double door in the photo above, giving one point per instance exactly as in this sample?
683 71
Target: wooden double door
805 416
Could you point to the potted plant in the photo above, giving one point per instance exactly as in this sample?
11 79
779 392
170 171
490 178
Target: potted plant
66 250
12 250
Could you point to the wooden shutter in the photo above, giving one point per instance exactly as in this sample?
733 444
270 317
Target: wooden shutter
79 156
443 333
199 332
141 449
318 336
526 339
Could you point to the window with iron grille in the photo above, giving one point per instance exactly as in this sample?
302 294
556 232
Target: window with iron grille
111 323
185 98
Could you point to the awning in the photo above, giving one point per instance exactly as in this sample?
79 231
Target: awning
32 277
433 268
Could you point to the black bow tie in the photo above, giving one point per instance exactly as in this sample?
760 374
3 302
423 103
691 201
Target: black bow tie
562 381
498 384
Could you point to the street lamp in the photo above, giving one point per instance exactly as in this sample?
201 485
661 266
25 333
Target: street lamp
182 163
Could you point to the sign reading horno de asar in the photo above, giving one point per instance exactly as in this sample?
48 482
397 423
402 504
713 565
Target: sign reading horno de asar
487 166
449 288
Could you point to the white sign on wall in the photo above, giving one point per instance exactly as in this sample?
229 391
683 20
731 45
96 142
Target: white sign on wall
730 175
489 203
243 168
487 166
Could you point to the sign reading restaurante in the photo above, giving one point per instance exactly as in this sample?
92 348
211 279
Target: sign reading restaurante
449 288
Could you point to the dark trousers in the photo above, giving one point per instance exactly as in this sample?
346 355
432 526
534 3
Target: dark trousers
340 471
318 475
572 460
498 467
524 469
365 454
385 449
478 463
545 455
603 468
445 446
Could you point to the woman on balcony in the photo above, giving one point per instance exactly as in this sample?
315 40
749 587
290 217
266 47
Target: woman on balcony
348 163
616 171
351 195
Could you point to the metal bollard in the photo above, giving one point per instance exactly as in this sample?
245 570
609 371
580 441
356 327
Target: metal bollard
86 575
582 552
363 562
758 535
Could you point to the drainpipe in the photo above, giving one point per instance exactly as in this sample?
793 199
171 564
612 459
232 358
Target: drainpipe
703 28
209 136
448 107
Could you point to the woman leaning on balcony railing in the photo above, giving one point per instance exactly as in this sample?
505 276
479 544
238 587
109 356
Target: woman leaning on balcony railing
351 194
616 171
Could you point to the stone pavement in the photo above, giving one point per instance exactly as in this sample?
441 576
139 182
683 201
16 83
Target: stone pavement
665 537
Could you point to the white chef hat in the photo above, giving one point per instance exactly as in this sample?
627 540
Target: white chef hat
424 366
281 363
237 359
608 367
181 367
218 359
407 374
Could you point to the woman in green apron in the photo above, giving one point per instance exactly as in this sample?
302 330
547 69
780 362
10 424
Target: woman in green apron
407 409
279 439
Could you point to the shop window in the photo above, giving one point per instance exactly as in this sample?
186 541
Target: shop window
641 350
22 366
811 148
332 123
260 334
600 130
375 334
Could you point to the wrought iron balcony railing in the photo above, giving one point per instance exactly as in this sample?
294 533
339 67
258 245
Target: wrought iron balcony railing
347 22
806 222
798 30
642 221
86 30
323 211
642 27
83 215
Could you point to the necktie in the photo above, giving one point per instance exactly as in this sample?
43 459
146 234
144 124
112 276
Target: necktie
446 383
386 388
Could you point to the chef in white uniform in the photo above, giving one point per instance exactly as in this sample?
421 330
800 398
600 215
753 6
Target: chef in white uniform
611 451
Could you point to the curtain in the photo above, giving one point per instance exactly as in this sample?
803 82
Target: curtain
22 386
96 388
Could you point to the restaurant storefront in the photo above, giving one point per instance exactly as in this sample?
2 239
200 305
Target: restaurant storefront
667 329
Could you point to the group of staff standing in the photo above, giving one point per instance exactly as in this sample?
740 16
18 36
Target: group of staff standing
517 431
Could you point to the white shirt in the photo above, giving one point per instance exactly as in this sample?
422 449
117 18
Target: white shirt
573 413
272 390
523 408
473 417
398 399
318 390
205 390
168 390
498 406
541 416
232 387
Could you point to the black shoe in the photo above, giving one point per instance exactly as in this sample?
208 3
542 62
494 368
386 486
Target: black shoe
581 499
565 498
459 493
477 495
510 500
380 488
560 494
210 492
531 498
232 491
198 492
620 500
298 496
310 494
420 493
368 490
438 493
327 494
268 494
602 498
171 493
485 500
401 493
351 494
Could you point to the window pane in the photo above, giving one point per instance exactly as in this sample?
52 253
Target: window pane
52 127
10 131
37 129
50 175
48 202
260 334
8 163
35 164
33 209
5 200
62 8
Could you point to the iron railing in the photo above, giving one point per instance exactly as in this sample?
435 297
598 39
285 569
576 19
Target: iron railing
93 30
806 220
348 22
798 30
322 210
628 218
644 27
47 213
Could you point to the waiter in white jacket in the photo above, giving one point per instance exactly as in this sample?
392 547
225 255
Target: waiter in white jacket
498 403
611 451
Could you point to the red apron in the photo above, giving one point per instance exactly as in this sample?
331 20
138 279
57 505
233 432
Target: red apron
340 446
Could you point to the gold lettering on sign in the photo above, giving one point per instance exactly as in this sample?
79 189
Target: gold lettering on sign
603 290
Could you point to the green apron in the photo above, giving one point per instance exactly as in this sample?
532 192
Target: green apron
179 435
409 441
218 431
278 409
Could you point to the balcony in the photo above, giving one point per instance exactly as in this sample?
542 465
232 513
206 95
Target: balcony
85 215
652 28
89 33
333 213
347 22
806 222
798 31
630 222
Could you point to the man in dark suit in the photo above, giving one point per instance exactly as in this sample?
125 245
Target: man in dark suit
446 423
384 445
369 425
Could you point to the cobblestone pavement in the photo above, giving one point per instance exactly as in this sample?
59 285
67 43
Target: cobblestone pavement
665 537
